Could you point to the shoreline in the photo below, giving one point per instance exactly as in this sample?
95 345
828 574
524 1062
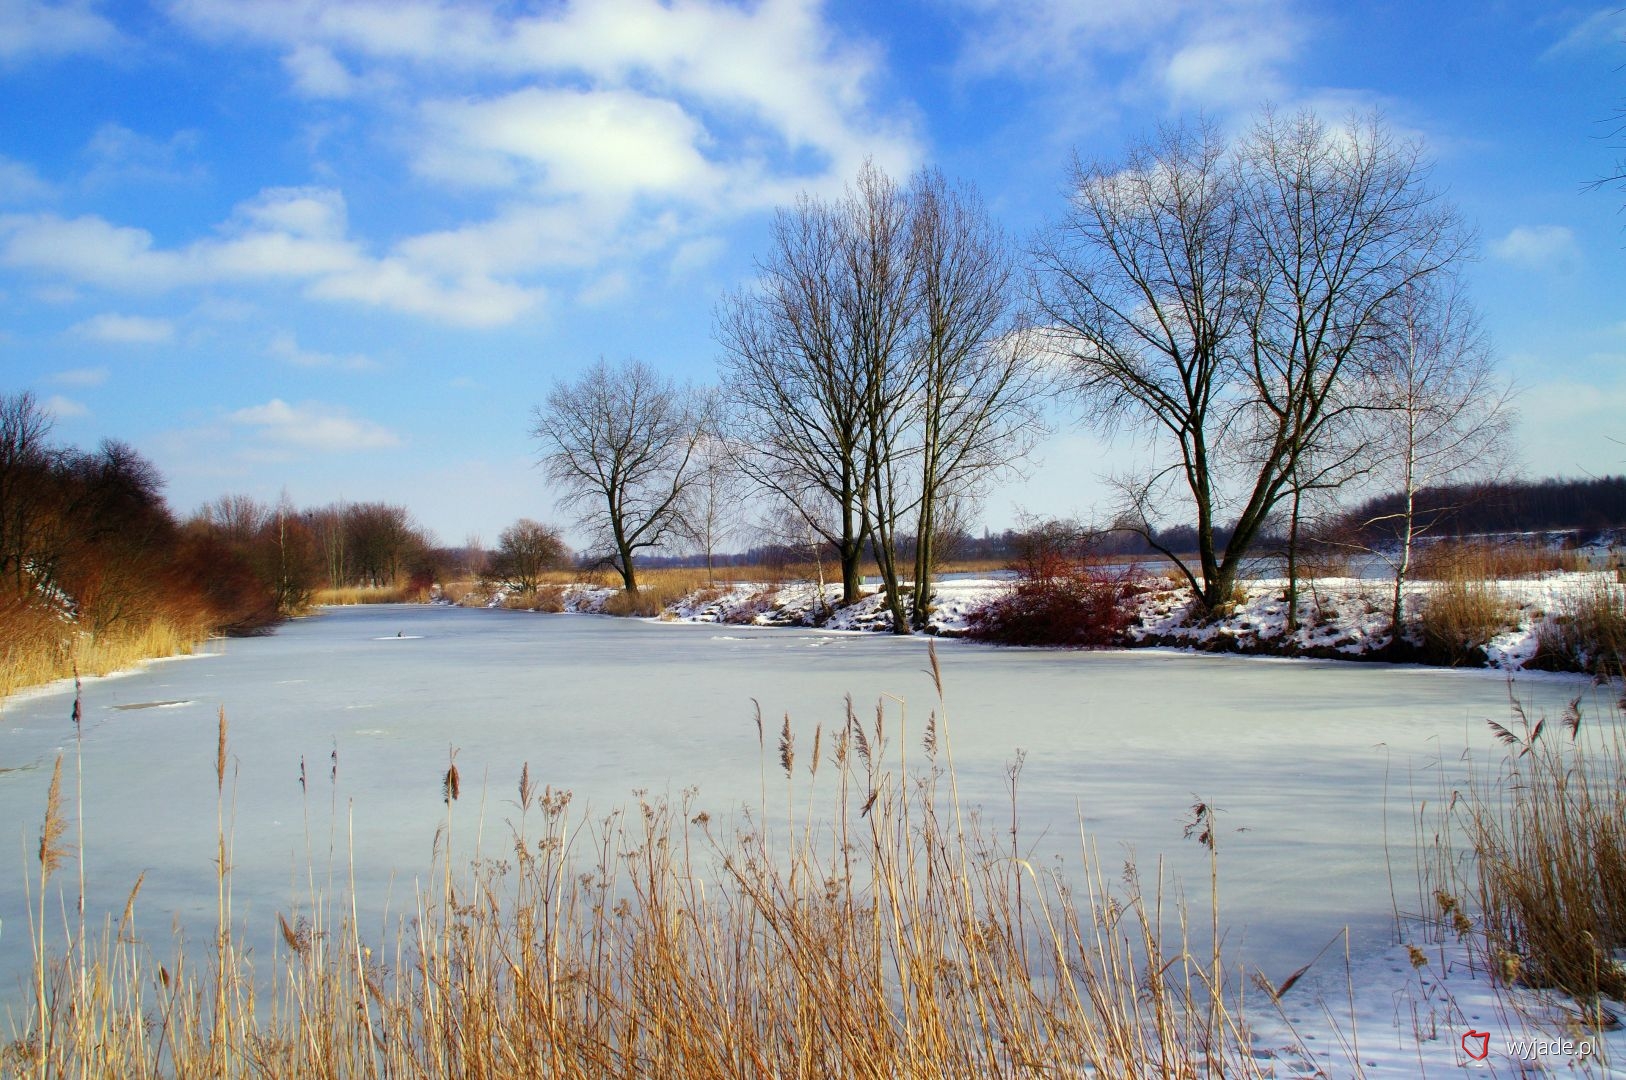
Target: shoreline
1339 619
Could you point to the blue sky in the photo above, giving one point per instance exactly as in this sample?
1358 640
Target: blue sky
341 247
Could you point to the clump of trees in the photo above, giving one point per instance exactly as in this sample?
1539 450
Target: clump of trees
88 547
878 371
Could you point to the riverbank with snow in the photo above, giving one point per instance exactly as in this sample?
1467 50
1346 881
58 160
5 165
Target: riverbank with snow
1344 618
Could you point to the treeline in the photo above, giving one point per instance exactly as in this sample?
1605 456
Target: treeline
1504 506
93 565
367 545
97 572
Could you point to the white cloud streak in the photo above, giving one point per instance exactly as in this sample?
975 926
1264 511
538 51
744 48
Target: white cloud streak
313 427
125 329
32 28
1539 247
284 234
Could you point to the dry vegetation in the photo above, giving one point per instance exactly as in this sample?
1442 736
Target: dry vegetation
1587 634
345 595
1472 560
893 937
1459 618
1548 834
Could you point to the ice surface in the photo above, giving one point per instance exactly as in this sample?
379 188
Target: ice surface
1310 763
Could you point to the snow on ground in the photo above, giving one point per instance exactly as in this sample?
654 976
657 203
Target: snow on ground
1431 1009
1343 617
1350 617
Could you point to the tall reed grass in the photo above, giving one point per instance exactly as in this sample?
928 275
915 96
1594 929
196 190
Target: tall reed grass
860 921
347 595
1548 833
39 645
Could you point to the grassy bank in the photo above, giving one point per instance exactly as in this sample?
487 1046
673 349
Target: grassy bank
39 646
857 922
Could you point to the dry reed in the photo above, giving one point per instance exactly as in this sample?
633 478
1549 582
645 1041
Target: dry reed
893 938
1548 832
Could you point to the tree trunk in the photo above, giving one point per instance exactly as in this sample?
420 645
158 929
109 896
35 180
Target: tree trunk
1293 566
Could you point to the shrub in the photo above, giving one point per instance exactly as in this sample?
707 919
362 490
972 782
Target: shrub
1077 607
1459 619
550 598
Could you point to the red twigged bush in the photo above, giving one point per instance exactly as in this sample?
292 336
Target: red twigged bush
1061 599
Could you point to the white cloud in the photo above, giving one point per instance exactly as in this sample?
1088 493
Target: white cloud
34 28
1539 247
118 154
62 407
1213 53
317 73
95 376
284 346
313 426
612 143
612 286
19 183
1601 27
774 67
125 329
286 234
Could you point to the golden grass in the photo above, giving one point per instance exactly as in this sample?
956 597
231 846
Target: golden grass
893 938
1587 633
38 646
1475 560
1549 838
1459 618
348 595
655 594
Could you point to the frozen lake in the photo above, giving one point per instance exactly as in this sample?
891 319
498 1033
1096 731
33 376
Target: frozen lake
1297 755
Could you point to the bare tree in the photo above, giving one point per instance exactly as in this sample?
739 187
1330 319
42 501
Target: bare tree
979 387
712 504
796 389
28 492
1440 410
873 372
525 550
1230 294
620 442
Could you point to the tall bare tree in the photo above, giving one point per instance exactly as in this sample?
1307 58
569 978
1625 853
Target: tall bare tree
797 389
979 386
873 372
1230 294
620 443
712 505
1441 411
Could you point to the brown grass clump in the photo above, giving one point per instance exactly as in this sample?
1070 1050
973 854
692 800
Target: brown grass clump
1479 560
895 938
1549 837
655 595
1459 618
39 645
1587 634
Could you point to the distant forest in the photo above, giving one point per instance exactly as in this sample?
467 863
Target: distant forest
1509 506
1584 507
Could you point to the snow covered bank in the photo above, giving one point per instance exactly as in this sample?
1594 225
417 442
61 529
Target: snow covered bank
1337 618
